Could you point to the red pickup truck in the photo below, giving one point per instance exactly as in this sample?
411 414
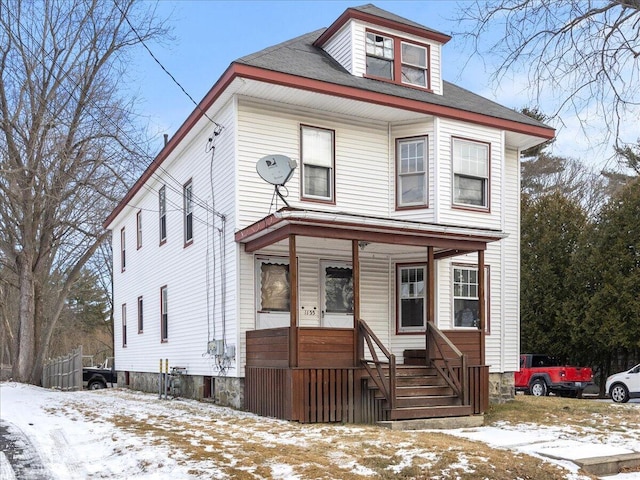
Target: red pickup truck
540 375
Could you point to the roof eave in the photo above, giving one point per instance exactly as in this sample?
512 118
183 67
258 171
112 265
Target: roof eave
351 13
237 70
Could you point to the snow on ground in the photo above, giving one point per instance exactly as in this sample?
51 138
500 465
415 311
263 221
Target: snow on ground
561 444
71 435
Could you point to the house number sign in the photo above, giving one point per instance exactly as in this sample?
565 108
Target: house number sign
309 312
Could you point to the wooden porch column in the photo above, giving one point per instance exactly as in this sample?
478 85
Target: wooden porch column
431 285
293 301
431 300
481 305
355 268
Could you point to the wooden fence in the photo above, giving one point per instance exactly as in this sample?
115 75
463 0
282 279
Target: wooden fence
64 373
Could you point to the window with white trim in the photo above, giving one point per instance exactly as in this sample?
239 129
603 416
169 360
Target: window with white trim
470 173
162 212
164 315
317 153
412 172
187 198
412 298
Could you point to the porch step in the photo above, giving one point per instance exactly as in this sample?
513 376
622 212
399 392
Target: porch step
403 370
427 401
421 391
430 412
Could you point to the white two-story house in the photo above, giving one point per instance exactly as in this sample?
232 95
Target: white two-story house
332 235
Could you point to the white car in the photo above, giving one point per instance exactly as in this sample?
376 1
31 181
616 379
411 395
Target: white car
624 385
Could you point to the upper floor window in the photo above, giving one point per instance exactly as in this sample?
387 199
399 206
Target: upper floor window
139 229
162 211
412 298
187 196
123 251
317 153
379 56
397 60
470 173
411 172
414 64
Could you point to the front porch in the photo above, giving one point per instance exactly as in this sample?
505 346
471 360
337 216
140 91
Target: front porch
330 384
324 374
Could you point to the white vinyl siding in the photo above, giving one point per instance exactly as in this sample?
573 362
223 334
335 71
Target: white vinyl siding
447 211
340 47
362 162
185 271
506 327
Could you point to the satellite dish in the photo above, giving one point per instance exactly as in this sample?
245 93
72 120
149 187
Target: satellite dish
275 169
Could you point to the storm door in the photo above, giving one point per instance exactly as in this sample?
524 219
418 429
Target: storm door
337 294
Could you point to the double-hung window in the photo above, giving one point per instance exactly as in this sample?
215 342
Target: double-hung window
411 172
187 197
414 64
123 251
317 153
164 315
380 54
139 230
124 324
393 59
140 316
466 299
162 210
470 173
412 298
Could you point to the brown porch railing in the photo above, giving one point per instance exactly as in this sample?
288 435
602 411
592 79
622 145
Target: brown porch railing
451 365
385 383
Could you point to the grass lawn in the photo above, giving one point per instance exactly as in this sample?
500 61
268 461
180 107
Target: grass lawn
242 446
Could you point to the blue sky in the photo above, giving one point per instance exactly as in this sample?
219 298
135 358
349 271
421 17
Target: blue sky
209 35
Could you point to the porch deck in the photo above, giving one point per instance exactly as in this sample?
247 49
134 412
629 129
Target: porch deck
332 381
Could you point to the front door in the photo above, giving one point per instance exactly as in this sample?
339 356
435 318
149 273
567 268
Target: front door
337 294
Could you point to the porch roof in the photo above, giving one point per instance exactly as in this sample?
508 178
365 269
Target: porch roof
449 240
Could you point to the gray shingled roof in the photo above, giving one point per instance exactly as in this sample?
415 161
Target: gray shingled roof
300 57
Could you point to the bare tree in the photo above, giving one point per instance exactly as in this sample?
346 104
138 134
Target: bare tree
67 149
582 53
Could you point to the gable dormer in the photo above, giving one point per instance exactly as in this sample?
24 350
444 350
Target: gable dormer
373 43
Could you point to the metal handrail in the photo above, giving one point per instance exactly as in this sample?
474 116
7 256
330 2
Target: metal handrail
386 385
458 382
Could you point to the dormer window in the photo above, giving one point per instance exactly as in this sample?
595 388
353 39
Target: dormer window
414 65
379 56
382 53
